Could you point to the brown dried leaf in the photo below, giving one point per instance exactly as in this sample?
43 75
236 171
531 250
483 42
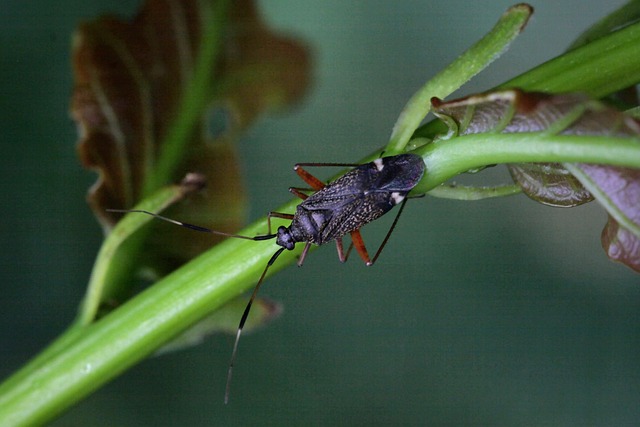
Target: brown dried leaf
130 81
261 70
516 111
550 184
513 111
593 118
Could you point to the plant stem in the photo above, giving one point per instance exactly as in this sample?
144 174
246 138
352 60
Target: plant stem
448 158
102 284
98 352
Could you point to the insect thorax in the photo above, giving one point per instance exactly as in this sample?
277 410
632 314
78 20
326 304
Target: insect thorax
307 225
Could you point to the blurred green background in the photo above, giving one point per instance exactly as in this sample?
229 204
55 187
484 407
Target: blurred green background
499 312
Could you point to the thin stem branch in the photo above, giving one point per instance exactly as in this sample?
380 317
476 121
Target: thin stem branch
467 65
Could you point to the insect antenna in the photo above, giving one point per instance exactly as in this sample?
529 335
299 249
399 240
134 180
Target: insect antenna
195 227
243 319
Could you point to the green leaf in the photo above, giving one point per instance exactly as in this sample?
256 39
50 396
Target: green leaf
586 69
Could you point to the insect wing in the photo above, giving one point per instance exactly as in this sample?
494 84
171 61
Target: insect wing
376 188
356 214
390 174
398 173
346 189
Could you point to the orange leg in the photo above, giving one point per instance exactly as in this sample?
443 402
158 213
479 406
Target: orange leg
356 237
314 182
359 243
299 192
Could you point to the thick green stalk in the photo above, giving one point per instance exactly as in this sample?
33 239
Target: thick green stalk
605 66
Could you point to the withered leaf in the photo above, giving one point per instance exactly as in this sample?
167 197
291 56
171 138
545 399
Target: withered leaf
619 190
516 111
261 70
621 245
130 83
549 183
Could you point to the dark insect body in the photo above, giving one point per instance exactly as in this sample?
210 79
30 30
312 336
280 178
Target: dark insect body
341 207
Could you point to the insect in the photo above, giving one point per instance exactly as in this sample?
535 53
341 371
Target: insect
342 207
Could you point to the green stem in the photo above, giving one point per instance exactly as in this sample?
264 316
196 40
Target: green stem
197 94
467 65
448 158
465 192
625 15
605 66
100 351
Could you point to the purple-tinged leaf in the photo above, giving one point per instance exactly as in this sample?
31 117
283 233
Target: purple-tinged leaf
618 190
555 184
621 245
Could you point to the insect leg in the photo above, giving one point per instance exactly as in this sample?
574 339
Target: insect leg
314 182
356 238
303 255
358 242
340 249
342 165
276 215
342 256
300 192
393 225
